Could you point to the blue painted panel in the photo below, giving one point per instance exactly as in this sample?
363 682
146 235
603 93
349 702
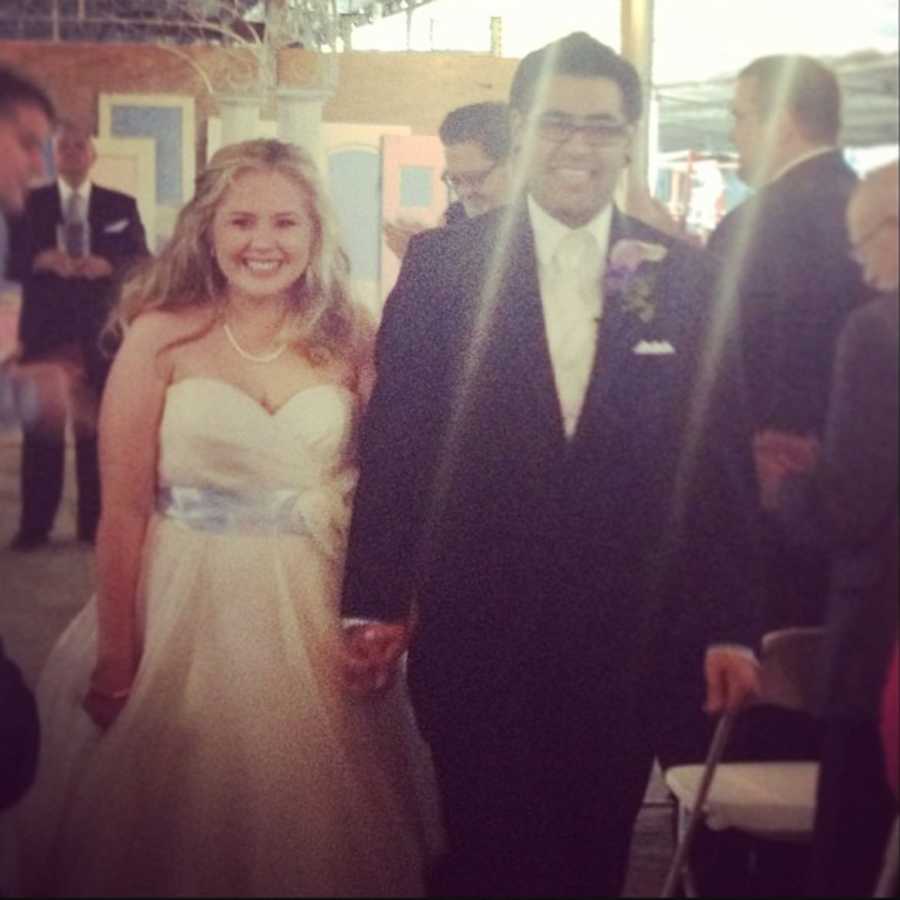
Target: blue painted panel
416 186
163 123
354 178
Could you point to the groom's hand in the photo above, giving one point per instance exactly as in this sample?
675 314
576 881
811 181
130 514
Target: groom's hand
732 680
371 653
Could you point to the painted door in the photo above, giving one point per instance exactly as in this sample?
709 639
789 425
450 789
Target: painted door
411 189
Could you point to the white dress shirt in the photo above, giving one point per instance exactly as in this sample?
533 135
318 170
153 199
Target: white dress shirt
805 157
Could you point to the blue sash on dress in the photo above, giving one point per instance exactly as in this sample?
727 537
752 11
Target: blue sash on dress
228 512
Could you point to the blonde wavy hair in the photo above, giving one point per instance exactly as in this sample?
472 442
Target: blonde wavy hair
320 323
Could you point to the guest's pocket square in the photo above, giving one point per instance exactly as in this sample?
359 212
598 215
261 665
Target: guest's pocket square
116 227
653 348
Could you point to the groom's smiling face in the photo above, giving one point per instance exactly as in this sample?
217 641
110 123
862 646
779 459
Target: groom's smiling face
574 144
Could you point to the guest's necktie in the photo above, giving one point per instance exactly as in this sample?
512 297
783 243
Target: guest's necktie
572 326
75 209
75 239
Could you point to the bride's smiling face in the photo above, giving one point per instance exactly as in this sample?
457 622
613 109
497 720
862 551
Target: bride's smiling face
262 234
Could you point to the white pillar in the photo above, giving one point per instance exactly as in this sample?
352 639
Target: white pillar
300 119
637 46
240 117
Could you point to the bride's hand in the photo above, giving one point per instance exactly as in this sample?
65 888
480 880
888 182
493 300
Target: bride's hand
108 690
102 707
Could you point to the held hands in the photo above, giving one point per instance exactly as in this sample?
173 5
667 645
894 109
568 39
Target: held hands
732 680
55 261
59 263
370 655
778 454
93 267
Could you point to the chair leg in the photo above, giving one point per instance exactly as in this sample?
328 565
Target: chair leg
887 879
713 758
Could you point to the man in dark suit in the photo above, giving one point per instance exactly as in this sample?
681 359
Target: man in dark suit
26 117
846 502
786 260
69 250
557 503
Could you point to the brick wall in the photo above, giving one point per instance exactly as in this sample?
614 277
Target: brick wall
414 89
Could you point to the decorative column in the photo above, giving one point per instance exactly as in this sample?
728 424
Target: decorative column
240 117
637 46
300 119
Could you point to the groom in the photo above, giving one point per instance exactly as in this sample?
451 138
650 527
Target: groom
553 474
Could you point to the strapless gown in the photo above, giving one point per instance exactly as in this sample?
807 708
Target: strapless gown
238 765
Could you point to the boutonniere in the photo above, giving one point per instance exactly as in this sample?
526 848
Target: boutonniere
631 274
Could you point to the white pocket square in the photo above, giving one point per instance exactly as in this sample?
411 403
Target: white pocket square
115 227
653 348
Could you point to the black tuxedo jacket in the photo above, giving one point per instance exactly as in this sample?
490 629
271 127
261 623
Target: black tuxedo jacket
796 284
544 569
849 506
59 311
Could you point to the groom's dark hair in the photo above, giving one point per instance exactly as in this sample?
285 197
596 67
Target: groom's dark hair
581 56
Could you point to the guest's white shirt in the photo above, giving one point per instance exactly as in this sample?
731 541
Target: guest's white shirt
65 192
805 157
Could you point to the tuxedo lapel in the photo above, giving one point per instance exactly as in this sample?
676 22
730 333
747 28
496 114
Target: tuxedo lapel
53 208
96 212
522 332
617 334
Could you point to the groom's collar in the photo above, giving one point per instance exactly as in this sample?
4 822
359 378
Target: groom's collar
548 232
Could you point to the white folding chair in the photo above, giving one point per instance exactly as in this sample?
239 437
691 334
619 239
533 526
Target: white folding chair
771 800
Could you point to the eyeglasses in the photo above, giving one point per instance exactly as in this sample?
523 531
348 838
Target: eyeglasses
470 180
559 127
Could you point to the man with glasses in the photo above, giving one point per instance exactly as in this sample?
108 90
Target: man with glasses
476 148
553 469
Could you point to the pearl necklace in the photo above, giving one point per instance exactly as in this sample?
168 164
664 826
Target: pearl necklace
252 357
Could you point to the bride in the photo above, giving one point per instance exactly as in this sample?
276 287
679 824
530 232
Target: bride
197 736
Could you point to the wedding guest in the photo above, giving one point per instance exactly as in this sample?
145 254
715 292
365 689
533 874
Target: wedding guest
844 498
786 252
476 144
26 115
232 762
69 249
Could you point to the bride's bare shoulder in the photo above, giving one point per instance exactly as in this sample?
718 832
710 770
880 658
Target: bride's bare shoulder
160 328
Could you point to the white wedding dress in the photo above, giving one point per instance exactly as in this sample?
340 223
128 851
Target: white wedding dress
238 765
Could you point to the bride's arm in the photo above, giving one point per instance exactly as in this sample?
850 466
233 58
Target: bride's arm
129 425
364 352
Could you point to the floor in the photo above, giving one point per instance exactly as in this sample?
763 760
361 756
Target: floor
41 591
